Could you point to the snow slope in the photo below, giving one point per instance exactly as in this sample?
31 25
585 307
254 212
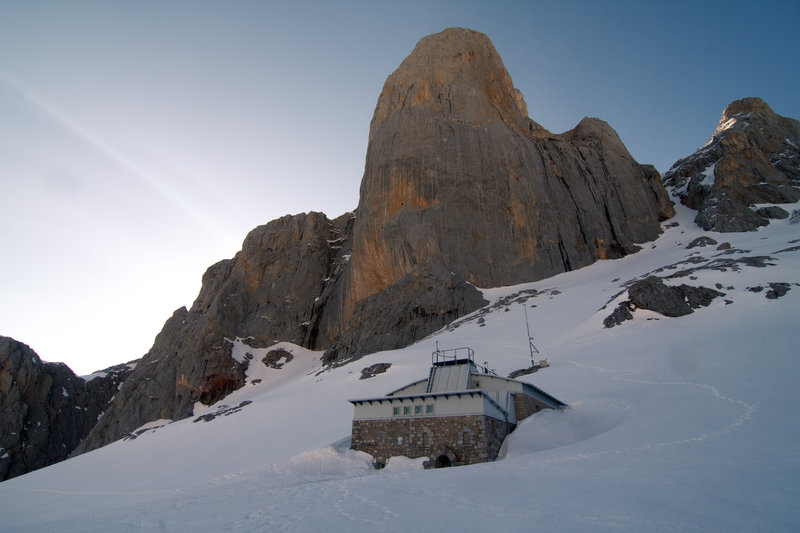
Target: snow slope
674 424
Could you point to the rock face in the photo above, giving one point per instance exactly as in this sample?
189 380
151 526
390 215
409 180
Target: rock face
268 292
423 301
460 189
457 174
752 158
45 409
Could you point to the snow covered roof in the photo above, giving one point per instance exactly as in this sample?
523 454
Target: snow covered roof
456 377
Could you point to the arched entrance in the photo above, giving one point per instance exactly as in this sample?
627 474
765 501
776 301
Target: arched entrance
442 458
442 462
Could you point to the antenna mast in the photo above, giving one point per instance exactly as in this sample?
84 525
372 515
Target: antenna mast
533 348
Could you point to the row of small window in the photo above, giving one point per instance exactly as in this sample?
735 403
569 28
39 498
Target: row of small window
417 410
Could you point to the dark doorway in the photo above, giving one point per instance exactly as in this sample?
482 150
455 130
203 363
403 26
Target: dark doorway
442 461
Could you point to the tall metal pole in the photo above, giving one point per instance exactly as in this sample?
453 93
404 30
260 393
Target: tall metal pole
532 346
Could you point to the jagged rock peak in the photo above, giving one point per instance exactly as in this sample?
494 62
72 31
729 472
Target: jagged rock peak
752 158
740 108
455 73
751 104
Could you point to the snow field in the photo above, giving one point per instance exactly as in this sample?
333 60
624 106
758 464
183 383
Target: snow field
674 424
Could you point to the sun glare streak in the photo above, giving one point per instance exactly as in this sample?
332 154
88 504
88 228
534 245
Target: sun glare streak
145 176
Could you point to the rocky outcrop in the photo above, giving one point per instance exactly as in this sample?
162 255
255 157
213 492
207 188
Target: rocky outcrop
269 291
775 290
460 189
752 158
653 294
457 174
45 409
700 242
373 370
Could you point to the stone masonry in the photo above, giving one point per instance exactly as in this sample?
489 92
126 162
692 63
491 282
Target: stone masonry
462 439
525 406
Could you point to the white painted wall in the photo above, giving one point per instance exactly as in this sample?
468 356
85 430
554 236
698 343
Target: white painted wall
491 384
475 404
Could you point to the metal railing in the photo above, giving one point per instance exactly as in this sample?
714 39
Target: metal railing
452 355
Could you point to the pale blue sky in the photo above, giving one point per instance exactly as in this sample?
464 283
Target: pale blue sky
141 141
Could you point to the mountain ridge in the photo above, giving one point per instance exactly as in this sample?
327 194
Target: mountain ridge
435 218
460 189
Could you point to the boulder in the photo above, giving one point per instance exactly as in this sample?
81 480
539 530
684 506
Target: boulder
700 242
653 294
772 212
373 370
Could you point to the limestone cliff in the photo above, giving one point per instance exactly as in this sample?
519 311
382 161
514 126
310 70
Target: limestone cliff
45 409
752 158
266 293
456 173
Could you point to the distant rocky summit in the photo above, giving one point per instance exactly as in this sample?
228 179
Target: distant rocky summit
45 409
753 158
460 190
